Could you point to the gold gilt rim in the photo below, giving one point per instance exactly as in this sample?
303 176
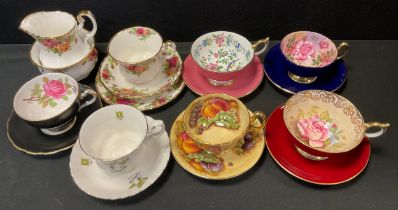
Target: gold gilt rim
291 92
140 62
155 107
177 76
193 172
313 182
51 37
39 153
240 96
63 68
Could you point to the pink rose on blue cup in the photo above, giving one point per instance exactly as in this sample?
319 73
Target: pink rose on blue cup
55 89
316 131
303 50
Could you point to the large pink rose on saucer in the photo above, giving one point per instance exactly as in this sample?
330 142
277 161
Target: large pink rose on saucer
303 50
54 88
315 130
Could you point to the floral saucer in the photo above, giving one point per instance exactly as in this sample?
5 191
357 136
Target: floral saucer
117 84
243 86
101 184
277 73
33 142
231 163
334 170
143 104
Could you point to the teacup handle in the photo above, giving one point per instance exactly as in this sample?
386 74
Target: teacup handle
168 49
259 42
81 20
155 127
342 50
88 102
382 126
258 116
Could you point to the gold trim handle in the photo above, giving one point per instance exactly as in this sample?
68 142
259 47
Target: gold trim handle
81 20
85 93
259 42
257 115
342 50
382 126
168 49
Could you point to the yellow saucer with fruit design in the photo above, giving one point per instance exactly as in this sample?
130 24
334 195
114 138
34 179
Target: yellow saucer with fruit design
231 163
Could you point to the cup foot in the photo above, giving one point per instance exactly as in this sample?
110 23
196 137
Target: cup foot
59 129
220 83
309 156
301 80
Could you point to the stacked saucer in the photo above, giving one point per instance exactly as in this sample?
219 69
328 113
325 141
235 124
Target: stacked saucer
147 82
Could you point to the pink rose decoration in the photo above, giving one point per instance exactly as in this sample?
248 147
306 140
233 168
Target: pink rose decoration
314 129
323 44
220 40
123 101
212 66
172 61
303 50
55 89
51 43
140 31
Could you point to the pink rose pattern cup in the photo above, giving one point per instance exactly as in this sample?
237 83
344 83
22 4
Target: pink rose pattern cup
51 92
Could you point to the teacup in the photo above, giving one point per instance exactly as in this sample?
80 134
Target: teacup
59 36
51 102
114 137
217 122
140 52
309 55
222 56
325 124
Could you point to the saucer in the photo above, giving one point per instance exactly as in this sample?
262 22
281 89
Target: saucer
277 73
142 104
117 84
334 170
32 141
100 184
243 86
234 164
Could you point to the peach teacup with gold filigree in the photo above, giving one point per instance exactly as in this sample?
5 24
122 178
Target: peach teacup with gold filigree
140 52
325 124
217 122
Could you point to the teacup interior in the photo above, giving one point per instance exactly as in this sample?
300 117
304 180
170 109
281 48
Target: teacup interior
308 49
135 44
211 107
45 96
222 51
49 24
323 121
113 132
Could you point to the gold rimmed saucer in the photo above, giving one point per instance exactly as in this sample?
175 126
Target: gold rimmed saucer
234 163
143 104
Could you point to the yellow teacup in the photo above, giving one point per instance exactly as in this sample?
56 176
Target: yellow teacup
217 122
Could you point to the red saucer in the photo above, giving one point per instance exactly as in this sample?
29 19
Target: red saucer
334 170
244 85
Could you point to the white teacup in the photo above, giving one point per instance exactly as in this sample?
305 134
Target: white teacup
140 52
114 136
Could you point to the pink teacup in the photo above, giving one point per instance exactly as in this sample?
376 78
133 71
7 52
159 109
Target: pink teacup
223 56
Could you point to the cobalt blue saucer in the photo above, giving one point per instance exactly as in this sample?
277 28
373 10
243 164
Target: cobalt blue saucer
276 70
